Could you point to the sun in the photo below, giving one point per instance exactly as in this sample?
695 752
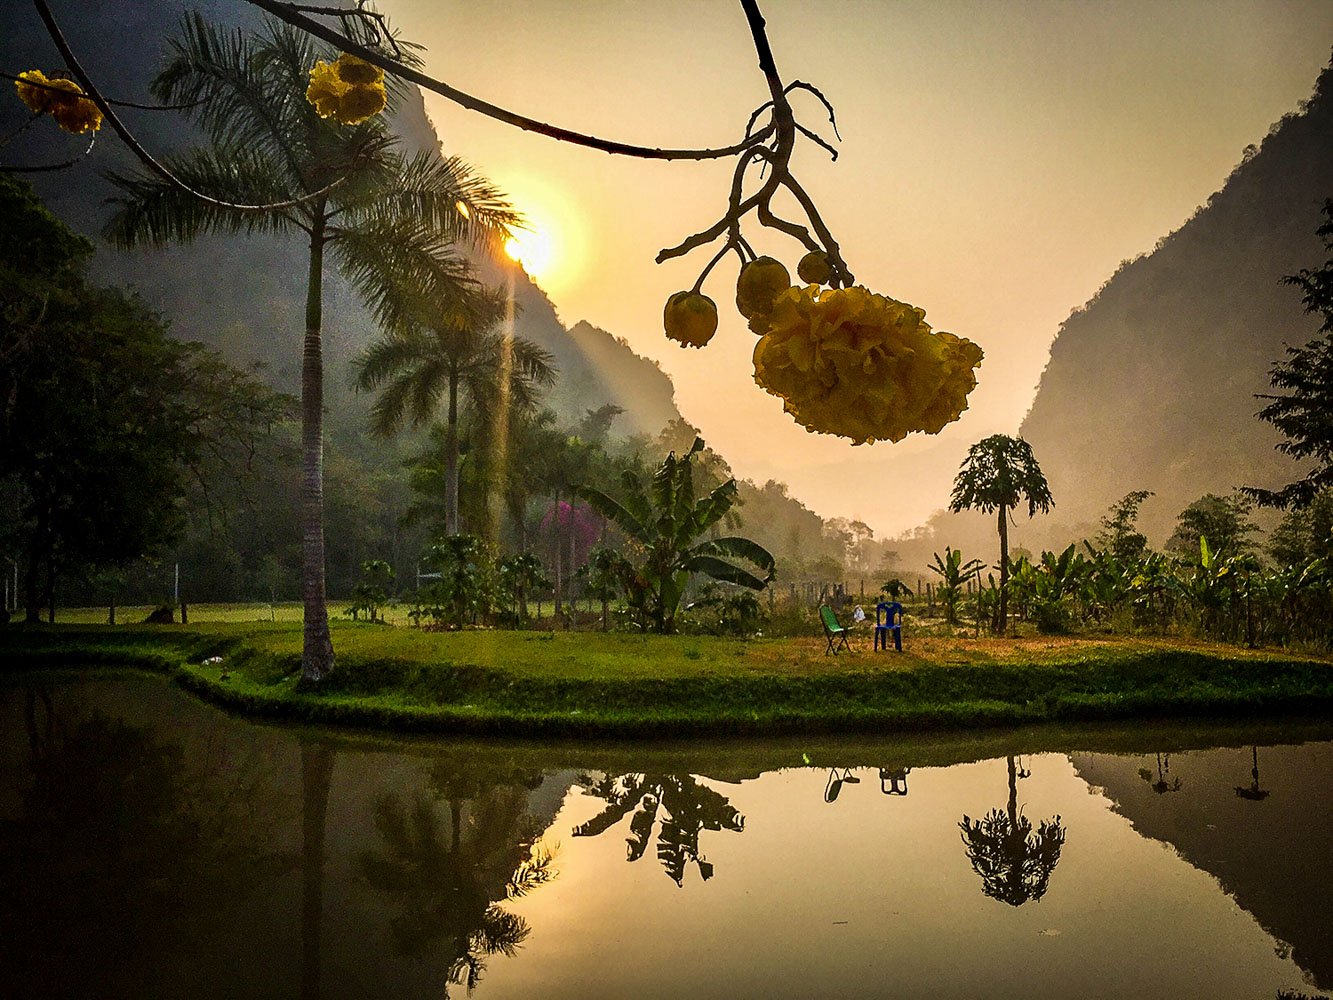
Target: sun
534 249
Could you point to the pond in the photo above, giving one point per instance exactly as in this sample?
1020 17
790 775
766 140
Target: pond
152 846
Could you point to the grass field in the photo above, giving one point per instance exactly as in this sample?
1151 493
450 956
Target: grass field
594 684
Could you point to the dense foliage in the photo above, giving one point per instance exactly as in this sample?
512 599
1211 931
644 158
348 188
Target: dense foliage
111 430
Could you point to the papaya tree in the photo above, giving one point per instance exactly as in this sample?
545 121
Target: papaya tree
668 532
998 473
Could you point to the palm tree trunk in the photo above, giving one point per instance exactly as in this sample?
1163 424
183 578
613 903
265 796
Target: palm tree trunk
1004 569
317 650
451 460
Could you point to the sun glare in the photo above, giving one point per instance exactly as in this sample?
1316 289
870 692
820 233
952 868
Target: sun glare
533 249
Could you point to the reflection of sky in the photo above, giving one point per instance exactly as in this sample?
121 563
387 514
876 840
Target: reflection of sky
874 895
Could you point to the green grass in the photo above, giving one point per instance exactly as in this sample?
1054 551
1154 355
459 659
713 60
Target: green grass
591 684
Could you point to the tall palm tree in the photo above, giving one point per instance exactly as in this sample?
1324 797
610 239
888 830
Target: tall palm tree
442 347
389 219
998 473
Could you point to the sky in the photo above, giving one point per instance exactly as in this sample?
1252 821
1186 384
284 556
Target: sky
998 161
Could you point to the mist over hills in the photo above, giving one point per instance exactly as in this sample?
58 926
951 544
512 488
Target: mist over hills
1151 384
245 295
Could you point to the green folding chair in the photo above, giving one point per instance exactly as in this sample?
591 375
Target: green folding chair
835 633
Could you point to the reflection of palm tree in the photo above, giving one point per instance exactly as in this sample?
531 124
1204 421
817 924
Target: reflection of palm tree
316 777
1014 862
1161 785
1254 793
444 880
689 808
112 836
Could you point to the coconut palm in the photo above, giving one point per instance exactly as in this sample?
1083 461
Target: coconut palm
667 526
388 219
998 473
442 348
1014 861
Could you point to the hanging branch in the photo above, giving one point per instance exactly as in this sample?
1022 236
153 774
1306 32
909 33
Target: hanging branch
776 157
48 167
291 13
772 145
93 94
110 100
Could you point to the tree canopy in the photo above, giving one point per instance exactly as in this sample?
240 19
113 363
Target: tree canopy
108 423
1302 409
998 474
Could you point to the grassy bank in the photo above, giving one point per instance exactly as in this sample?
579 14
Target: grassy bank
590 684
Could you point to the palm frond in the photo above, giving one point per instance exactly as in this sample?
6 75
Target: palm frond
156 212
408 276
740 548
449 197
613 511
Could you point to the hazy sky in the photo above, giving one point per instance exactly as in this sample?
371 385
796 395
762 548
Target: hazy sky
999 161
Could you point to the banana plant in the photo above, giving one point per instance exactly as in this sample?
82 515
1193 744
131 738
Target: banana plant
667 529
953 574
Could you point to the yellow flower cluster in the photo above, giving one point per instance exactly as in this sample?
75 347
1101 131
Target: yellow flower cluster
66 103
849 362
348 90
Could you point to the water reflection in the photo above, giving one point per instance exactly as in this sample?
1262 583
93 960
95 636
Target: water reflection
153 848
1254 793
893 780
686 806
444 875
1014 861
1161 784
117 837
316 777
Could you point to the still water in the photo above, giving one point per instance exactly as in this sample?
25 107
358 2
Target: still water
151 846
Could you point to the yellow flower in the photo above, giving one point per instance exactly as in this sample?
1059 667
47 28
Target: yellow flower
849 362
360 103
355 71
349 90
67 104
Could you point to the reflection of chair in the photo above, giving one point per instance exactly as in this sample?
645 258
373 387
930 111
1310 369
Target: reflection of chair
893 781
889 618
834 784
833 630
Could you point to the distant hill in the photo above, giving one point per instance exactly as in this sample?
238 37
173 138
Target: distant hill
245 295
1151 384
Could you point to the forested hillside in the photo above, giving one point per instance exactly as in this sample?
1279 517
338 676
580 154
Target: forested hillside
1151 384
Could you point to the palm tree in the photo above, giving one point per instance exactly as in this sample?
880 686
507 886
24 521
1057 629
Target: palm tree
390 219
668 525
997 474
1014 862
442 347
